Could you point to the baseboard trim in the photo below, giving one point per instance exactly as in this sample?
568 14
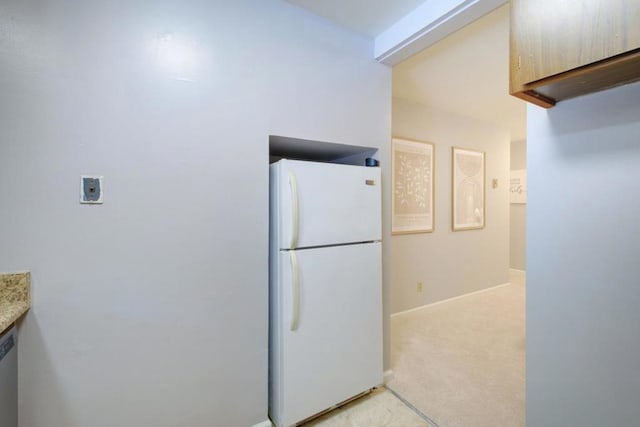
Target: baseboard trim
266 423
449 300
388 376
515 270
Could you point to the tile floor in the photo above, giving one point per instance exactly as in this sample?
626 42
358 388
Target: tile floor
378 409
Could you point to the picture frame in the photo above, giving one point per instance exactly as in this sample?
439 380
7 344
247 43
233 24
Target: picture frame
518 186
412 183
468 199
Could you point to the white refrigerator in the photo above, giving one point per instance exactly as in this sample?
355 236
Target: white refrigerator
325 287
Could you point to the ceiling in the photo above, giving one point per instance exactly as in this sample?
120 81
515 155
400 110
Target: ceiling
362 16
467 73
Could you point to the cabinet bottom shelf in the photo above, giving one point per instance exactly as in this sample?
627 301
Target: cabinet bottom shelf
606 74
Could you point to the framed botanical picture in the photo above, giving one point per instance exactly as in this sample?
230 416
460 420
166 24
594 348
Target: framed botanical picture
468 189
412 165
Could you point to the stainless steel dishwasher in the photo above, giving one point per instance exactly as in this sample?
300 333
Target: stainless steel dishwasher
8 379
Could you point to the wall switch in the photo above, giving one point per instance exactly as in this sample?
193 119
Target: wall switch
91 189
419 287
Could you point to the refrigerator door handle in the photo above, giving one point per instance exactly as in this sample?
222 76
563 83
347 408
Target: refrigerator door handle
293 184
295 291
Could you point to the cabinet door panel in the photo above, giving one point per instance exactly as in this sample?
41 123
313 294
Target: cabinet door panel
549 37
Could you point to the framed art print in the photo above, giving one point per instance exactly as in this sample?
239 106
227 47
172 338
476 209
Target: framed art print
412 167
518 186
468 189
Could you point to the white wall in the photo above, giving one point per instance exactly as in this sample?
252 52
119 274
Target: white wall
151 310
518 212
452 263
583 272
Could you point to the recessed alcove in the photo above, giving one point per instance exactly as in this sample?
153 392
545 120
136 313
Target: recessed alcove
284 147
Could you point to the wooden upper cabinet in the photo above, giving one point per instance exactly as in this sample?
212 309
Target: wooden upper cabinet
565 48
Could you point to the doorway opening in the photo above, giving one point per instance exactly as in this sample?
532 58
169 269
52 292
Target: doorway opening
458 297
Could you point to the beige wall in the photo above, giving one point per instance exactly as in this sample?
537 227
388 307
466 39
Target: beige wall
451 264
518 231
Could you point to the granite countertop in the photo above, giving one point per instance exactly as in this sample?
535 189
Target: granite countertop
15 297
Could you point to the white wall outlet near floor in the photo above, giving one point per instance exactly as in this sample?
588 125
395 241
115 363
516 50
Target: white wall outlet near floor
91 190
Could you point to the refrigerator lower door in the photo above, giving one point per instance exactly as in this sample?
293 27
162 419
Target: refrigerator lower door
334 351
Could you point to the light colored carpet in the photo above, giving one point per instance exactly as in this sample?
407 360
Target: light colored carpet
462 362
378 409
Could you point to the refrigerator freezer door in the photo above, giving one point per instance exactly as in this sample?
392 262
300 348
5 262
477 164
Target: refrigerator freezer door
336 351
322 204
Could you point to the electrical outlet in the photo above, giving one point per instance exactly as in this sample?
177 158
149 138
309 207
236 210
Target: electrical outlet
91 189
419 287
